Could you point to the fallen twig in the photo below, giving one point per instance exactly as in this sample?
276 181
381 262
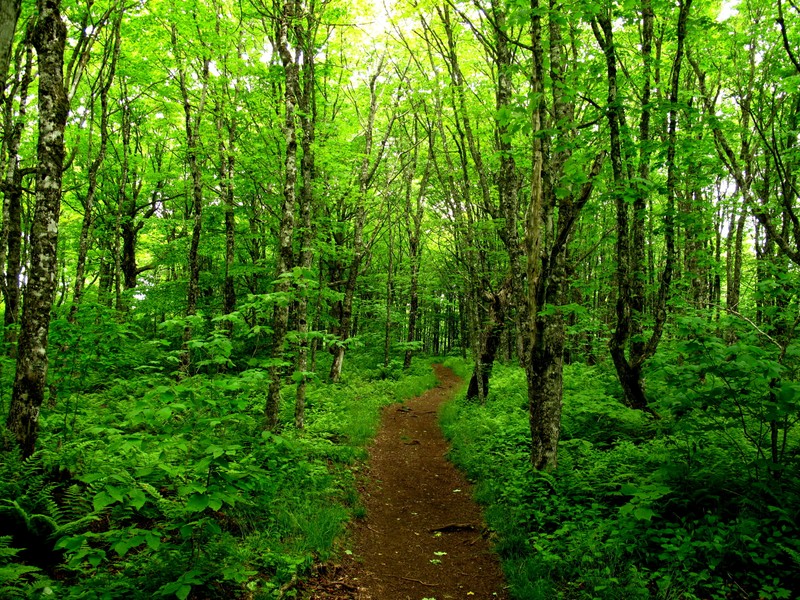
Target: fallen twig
451 527
415 580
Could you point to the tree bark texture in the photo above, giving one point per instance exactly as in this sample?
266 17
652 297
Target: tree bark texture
544 373
49 38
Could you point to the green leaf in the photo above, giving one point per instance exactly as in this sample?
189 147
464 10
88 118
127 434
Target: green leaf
70 543
153 540
101 500
183 591
137 498
118 494
121 547
96 558
197 502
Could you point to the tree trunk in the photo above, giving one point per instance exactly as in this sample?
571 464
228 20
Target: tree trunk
628 345
308 109
49 38
128 262
280 313
105 281
346 314
228 158
545 374
109 66
550 221
735 284
13 197
192 121
414 219
11 239
387 332
9 15
436 329
491 335
413 301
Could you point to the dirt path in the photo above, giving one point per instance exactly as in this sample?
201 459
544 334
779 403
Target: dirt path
423 534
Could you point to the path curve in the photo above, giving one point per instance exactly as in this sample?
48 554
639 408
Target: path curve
423 535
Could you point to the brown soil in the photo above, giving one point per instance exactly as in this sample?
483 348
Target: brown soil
423 535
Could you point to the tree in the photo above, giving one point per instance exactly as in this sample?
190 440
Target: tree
49 37
414 212
193 116
629 347
344 275
285 14
9 15
104 81
559 191
11 238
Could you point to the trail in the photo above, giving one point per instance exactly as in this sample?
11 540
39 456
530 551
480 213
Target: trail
423 535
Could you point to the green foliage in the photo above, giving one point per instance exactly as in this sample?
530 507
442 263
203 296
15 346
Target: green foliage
634 510
170 489
737 391
460 366
17 580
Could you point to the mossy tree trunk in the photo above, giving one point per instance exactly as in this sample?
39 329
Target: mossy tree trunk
49 37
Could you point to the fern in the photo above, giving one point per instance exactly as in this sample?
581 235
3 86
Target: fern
75 503
13 580
18 477
5 550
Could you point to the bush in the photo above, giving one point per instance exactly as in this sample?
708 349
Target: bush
634 510
146 487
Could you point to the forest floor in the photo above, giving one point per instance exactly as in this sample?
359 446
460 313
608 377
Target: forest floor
423 535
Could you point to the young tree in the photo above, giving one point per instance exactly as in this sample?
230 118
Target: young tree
104 81
414 212
11 236
194 111
346 275
306 33
630 348
285 14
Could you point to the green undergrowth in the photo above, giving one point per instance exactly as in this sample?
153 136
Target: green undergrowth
145 487
636 508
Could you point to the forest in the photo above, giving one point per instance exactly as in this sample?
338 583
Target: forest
233 231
